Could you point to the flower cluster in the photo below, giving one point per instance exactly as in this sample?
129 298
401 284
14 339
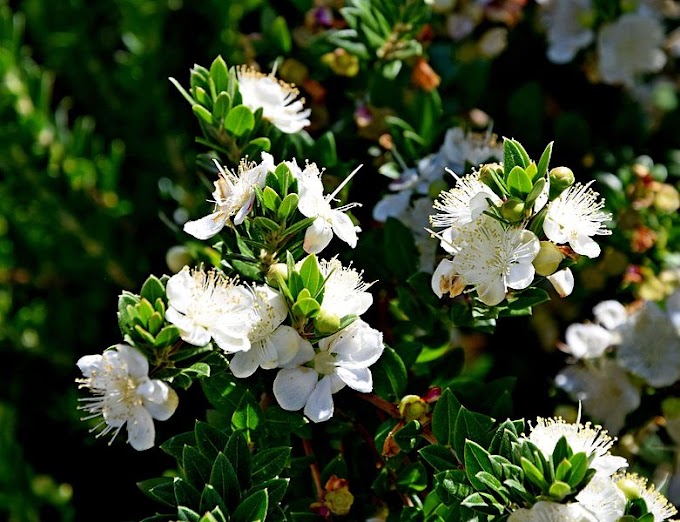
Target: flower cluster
622 350
572 26
503 224
606 495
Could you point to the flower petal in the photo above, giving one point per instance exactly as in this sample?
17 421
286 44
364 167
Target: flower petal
319 405
293 386
140 428
317 236
190 332
492 291
160 400
343 227
89 363
207 226
244 364
359 379
137 365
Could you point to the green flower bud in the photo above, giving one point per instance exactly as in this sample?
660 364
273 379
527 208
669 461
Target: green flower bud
513 210
177 257
548 259
561 178
629 487
275 271
487 173
326 324
413 407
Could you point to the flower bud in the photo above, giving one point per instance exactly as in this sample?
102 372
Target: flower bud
424 76
629 487
548 259
513 210
486 174
326 323
667 199
338 498
276 270
177 257
413 407
341 62
561 178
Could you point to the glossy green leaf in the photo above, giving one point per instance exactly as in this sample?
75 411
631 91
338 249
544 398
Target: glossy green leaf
202 113
185 493
544 161
219 74
253 508
239 456
440 457
444 418
269 463
196 466
223 478
288 207
210 440
390 375
239 120
247 415
159 489
518 182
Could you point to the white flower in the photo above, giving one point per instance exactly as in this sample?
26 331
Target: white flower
461 148
392 205
592 440
604 388
345 290
586 340
234 197
562 281
656 503
445 280
611 314
493 258
544 511
603 498
277 99
124 394
630 46
342 360
208 305
272 344
649 346
314 204
464 203
566 27
574 217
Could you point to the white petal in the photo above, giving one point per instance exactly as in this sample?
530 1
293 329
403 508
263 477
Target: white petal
88 363
244 210
286 342
359 379
444 271
140 428
391 205
554 232
244 364
562 281
521 275
319 405
179 290
344 228
304 354
161 401
292 387
190 332
610 314
137 364
317 236
587 341
585 246
491 292
357 346
207 226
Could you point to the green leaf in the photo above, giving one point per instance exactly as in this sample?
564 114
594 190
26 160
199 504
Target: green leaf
145 311
306 307
390 375
182 91
559 490
211 499
518 182
411 477
168 336
478 459
253 508
514 155
202 113
276 489
185 493
219 74
544 161
325 149
186 514
154 324
239 455
280 35
239 120
534 474
271 200
440 457
247 415
266 224
453 485
483 502
209 439
579 467
224 392
160 489
471 425
402 255
288 207
492 484
153 289
195 466
269 463
310 272
223 478
444 418
407 437
174 446
256 146
221 107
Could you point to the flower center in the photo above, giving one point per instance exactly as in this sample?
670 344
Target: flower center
324 363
